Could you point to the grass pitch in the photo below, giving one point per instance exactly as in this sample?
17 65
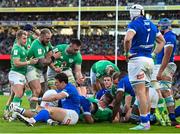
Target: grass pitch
19 127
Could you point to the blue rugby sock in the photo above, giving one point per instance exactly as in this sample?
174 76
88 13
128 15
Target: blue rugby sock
172 116
144 118
42 116
177 111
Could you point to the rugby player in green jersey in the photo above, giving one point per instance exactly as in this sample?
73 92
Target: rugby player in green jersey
94 110
32 34
100 69
41 49
70 56
19 67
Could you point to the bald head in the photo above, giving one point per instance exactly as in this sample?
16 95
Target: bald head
45 36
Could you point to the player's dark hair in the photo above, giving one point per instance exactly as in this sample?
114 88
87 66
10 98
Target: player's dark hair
107 76
109 98
62 77
20 33
118 75
111 72
76 41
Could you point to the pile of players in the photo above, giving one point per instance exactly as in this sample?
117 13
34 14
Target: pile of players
51 78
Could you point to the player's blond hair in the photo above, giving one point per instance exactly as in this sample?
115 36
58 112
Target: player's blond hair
20 33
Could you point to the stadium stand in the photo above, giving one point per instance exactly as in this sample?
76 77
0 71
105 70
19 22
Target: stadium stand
60 3
174 15
93 42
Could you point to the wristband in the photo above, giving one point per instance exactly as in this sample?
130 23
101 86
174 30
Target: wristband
39 99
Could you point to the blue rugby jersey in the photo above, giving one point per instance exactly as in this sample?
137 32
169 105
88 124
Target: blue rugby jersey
170 39
125 86
73 100
144 39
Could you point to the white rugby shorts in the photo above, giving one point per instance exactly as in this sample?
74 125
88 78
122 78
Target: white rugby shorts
16 78
140 70
71 117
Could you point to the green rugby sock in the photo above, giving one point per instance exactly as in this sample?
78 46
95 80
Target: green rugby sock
161 103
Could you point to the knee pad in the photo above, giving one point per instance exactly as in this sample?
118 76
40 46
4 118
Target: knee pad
169 101
165 85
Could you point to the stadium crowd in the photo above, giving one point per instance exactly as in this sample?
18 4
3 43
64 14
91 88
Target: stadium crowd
74 3
68 16
90 43
94 44
43 59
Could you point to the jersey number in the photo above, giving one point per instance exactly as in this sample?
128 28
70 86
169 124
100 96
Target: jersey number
68 121
147 25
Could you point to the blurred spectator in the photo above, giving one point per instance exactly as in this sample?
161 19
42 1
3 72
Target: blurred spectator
92 44
67 16
4 83
74 3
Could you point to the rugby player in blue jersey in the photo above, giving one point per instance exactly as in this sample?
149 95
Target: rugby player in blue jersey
67 114
165 68
123 87
138 44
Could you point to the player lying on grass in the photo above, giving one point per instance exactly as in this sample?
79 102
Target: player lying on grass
94 110
69 111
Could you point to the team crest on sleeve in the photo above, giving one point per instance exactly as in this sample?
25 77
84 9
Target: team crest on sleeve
15 52
39 51
71 60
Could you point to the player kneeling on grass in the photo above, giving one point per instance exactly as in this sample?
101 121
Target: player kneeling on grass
67 114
